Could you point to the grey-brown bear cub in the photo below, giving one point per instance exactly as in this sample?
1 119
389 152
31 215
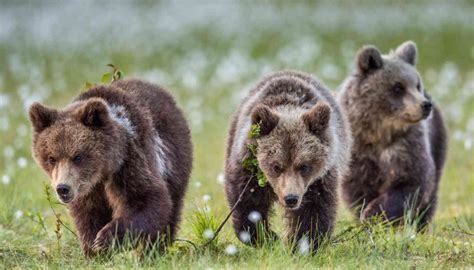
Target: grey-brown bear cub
399 136
303 149
119 157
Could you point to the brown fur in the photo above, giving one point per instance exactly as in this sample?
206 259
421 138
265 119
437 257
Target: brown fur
399 148
303 149
103 146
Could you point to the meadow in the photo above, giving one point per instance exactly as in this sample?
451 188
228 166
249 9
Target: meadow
209 55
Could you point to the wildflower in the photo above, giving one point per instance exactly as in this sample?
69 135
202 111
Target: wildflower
220 178
206 197
18 214
22 162
254 216
231 250
208 233
244 236
6 179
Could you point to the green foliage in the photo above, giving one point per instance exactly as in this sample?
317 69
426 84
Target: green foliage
111 76
204 226
114 75
251 163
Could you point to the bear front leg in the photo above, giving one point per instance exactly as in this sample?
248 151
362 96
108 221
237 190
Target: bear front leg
145 220
314 219
393 203
252 211
90 215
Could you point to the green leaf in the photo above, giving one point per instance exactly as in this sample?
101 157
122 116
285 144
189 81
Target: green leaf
118 75
255 131
106 78
262 179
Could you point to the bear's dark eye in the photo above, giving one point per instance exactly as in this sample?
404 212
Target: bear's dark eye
51 160
418 86
77 159
304 169
398 89
277 168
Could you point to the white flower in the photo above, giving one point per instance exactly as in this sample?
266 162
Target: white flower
18 214
8 151
231 250
22 162
6 179
206 197
208 233
254 216
220 178
468 144
197 184
244 236
303 245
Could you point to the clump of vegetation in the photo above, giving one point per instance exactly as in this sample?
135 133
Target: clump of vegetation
251 162
204 226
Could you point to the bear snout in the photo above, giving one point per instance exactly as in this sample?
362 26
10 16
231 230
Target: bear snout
291 201
426 107
64 192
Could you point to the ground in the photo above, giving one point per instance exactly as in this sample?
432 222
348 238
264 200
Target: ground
209 55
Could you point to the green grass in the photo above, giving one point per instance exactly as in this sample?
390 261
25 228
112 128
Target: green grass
209 56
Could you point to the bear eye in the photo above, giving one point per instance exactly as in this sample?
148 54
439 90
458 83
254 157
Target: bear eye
398 89
418 86
304 169
51 160
77 159
277 168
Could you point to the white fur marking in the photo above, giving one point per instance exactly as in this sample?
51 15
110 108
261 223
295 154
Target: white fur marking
118 113
161 158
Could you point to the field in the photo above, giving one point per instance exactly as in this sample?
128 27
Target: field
209 55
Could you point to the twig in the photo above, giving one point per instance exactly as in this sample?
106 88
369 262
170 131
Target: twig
230 213
187 241
58 218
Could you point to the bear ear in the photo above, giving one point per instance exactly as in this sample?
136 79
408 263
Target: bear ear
42 117
267 119
317 118
408 52
368 59
94 113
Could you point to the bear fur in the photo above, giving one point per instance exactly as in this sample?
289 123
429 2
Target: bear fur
120 157
399 137
303 149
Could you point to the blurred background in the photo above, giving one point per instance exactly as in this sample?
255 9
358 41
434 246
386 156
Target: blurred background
208 55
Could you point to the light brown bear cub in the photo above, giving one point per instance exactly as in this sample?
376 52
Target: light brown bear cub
119 156
399 138
303 149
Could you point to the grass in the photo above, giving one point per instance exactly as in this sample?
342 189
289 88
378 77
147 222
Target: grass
209 55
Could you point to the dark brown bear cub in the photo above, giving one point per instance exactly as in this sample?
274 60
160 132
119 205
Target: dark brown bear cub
399 138
119 156
303 148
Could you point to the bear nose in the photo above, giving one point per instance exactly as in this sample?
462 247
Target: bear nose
426 106
291 200
63 190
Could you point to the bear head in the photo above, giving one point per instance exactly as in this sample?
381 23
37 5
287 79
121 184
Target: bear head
390 88
77 147
293 148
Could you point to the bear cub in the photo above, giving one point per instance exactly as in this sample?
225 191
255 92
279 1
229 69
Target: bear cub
399 136
119 157
303 148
